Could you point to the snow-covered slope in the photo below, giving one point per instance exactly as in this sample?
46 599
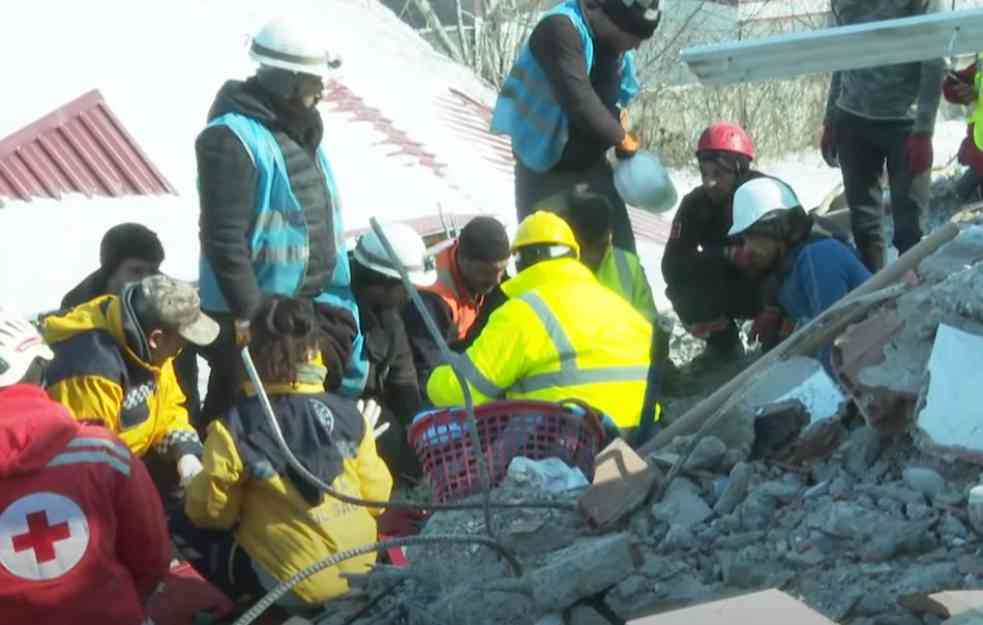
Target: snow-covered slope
159 66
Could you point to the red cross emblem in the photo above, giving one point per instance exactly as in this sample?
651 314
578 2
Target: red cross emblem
42 536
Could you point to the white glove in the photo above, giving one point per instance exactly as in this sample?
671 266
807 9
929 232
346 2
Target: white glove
371 410
188 466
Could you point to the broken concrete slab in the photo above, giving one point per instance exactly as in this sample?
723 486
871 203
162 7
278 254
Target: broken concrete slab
767 607
951 420
799 379
963 251
622 481
882 361
924 480
582 570
682 504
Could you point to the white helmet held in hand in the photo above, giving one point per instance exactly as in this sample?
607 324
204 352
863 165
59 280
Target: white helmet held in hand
294 44
761 199
20 344
409 247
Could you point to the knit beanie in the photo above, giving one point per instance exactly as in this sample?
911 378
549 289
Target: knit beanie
632 19
129 240
484 239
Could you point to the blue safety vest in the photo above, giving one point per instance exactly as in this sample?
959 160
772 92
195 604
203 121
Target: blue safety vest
279 244
528 111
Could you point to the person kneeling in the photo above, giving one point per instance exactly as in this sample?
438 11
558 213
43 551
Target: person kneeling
272 523
806 269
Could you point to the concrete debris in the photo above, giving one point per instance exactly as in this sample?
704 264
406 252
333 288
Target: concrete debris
890 362
857 517
799 379
681 505
735 490
708 454
924 480
949 421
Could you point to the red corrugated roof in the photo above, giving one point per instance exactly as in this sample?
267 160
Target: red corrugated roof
79 148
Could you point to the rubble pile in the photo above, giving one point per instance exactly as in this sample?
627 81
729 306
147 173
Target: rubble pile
857 508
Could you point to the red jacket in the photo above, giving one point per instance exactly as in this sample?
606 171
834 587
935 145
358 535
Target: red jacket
82 532
969 154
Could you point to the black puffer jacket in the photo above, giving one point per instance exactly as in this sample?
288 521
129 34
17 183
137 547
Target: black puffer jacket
227 183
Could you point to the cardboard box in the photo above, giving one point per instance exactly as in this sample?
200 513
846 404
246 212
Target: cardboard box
768 607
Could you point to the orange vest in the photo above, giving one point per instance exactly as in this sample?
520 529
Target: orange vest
450 288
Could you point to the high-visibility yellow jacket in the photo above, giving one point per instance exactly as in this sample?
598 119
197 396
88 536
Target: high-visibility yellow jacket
560 335
99 376
274 524
622 272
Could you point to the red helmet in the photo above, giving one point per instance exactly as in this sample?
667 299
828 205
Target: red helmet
726 137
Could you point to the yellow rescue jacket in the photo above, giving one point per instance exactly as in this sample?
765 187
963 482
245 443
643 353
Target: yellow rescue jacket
98 376
279 529
560 335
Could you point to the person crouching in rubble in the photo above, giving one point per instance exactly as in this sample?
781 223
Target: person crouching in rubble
703 283
559 335
806 270
252 519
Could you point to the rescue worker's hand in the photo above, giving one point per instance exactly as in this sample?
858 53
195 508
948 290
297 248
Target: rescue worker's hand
188 466
738 255
242 333
370 409
629 146
766 326
918 152
828 145
962 93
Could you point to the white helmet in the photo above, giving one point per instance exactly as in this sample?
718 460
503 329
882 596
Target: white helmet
296 45
409 248
761 199
20 344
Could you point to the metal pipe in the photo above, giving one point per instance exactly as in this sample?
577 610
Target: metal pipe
451 359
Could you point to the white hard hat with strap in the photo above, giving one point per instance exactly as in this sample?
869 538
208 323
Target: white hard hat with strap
760 199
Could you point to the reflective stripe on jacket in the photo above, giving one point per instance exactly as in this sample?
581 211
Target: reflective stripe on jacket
527 109
99 377
450 288
622 272
273 522
560 335
279 243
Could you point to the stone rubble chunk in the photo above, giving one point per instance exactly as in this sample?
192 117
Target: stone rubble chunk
924 480
736 490
707 455
682 505
863 448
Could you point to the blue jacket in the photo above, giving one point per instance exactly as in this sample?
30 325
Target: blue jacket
822 272
528 111
280 243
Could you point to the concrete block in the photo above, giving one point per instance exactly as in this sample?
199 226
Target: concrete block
951 421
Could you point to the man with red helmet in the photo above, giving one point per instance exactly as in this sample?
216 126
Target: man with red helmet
700 264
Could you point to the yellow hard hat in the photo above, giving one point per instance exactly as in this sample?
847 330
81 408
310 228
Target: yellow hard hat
544 228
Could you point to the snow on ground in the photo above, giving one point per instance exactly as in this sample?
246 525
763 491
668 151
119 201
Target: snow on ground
159 66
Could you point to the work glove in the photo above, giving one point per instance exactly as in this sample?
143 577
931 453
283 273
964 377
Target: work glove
188 466
918 152
371 410
828 145
629 146
766 327
738 255
242 332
